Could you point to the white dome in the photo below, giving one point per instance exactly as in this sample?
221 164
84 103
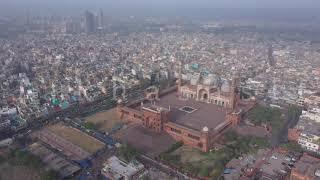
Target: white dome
225 87
119 101
194 81
211 79
205 129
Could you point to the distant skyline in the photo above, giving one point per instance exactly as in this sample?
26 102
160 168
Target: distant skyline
230 8
173 3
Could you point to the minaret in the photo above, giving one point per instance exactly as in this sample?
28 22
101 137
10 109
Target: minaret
233 90
180 77
204 139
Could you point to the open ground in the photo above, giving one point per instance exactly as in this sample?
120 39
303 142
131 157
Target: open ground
105 120
145 140
18 172
77 137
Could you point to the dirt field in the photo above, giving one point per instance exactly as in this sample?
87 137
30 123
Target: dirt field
105 120
145 140
77 137
11 172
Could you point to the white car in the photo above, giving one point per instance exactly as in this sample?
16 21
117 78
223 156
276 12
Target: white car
273 157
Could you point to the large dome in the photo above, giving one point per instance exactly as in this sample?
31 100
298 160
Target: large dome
226 87
194 79
210 80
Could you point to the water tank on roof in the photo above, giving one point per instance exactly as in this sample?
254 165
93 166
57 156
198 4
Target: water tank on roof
195 66
55 102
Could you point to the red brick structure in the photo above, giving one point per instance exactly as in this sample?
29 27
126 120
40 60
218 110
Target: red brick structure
196 117
154 118
307 168
293 134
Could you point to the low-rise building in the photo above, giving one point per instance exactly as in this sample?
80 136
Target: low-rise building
245 167
313 100
266 164
276 167
309 142
116 169
307 168
306 132
54 161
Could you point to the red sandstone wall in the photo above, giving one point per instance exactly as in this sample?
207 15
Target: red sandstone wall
183 135
152 120
234 118
293 134
129 114
297 176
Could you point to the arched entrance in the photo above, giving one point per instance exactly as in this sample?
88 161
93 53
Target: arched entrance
119 90
203 95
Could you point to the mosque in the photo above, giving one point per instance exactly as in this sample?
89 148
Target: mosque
196 112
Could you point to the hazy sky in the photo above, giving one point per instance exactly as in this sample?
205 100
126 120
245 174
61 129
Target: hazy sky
179 3
160 6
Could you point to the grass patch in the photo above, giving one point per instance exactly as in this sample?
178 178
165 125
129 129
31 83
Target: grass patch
105 121
211 164
77 137
90 126
292 147
21 164
24 158
172 158
127 153
50 175
174 147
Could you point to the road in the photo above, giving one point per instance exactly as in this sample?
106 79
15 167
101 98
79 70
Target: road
108 140
100 157
151 162
75 110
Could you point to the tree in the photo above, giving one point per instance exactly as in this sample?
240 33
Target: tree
146 177
266 115
90 126
50 175
294 112
174 146
292 147
217 171
128 153
204 172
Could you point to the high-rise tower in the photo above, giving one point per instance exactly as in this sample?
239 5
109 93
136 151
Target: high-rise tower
90 25
180 76
100 20
271 59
